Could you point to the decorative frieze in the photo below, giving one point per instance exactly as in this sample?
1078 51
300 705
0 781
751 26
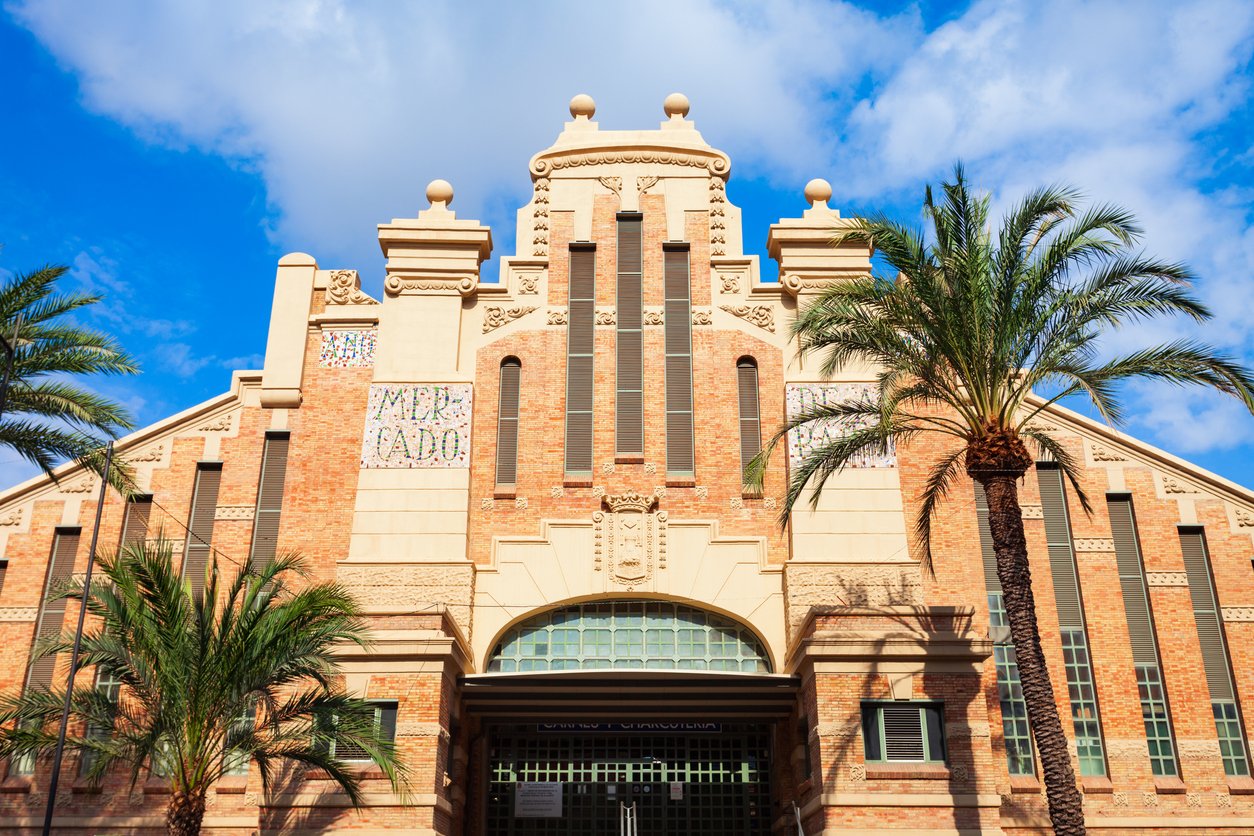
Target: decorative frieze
344 288
494 316
605 316
154 453
1237 614
422 425
87 483
396 285
1102 453
540 218
557 316
19 613
702 316
714 162
1032 512
13 517
762 316
218 424
1094 544
1245 518
234 512
718 217
1166 579
653 316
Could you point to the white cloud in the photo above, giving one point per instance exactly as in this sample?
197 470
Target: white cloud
180 359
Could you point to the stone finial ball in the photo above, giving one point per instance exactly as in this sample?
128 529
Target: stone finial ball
582 105
440 191
818 190
676 104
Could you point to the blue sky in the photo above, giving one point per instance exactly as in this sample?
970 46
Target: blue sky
170 153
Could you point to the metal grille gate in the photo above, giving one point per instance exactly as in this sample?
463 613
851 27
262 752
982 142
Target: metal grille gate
686 783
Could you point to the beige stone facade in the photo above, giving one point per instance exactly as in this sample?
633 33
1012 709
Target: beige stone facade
393 410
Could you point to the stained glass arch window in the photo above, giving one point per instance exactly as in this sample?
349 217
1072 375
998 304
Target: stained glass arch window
627 635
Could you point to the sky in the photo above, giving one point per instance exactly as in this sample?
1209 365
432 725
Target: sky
171 153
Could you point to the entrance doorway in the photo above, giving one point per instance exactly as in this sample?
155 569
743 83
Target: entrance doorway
682 778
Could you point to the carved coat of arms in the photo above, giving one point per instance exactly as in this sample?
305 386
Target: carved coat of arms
630 538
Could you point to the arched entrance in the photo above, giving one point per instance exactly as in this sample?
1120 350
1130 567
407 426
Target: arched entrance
599 708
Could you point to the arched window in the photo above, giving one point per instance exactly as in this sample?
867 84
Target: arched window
507 425
750 418
652 635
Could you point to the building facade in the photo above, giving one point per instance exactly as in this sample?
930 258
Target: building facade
580 612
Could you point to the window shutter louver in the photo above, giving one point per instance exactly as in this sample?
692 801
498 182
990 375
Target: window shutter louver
200 525
903 733
269 499
1132 581
750 418
629 406
1206 614
678 339
507 425
135 528
1061 557
52 613
579 367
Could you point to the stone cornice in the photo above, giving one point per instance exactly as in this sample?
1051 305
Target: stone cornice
546 162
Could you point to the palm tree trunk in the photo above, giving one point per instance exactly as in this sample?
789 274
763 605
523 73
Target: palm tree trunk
1005 522
185 813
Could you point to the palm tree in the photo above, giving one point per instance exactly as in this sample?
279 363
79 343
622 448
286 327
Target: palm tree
975 333
243 673
44 416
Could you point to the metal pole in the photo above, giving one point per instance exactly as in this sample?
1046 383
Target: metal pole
78 638
10 348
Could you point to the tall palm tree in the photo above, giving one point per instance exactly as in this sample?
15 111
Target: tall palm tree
244 673
975 333
45 416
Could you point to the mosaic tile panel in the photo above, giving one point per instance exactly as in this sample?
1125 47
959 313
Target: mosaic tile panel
348 349
417 425
816 434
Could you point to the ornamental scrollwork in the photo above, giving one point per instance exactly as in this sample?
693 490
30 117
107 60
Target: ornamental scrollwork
494 316
463 285
762 316
715 163
344 288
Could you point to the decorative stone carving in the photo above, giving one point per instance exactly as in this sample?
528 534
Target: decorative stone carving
607 468
220 424
1193 799
962 730
960 773
653 316
736 503
650 468
718 214
1171 485
83 485
1166 579
762 316
344 288
153 454
1117 748
488 503
606 316
495 316
701 316
629 540
520 502
1222 799
857 773
794 284
463 285
845 730
557 316
770 503
712 161
13 517
234 512
540 218
19 613
598 491
1105 454
1149 799
557 491
643 184
1094 544
1032 512
528 284
728 283
1120 799
702 491
1245 519
1198 750
175 546
659 491
614 184
1235 614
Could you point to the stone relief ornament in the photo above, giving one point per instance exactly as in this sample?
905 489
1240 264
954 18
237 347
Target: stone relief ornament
606 316
714 162
19 613
152 454
1094 544
344 288
702 491
653 317
857 772
718 214
728 283
1105 454
1235 614
1120 799
13 517
614 184
540 218
488 503
701 316
557 491
495 316
1149 799
528 284
83 485
234 512
557 316
643 184
650 468
607 468
1166 579
520 503
629 540
1032 512
220 424
762 316
462 285
1245 519
1172 485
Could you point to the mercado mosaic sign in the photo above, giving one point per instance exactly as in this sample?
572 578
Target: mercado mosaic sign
417 425
803 440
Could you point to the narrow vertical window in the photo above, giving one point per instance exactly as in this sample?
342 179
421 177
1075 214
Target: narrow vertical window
507 425
4 567
52 613
110 686
750 419
1215 660
629 401
579 370
200 525
135 525
1136 607
1075 644
1016 733
678 335
269 499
